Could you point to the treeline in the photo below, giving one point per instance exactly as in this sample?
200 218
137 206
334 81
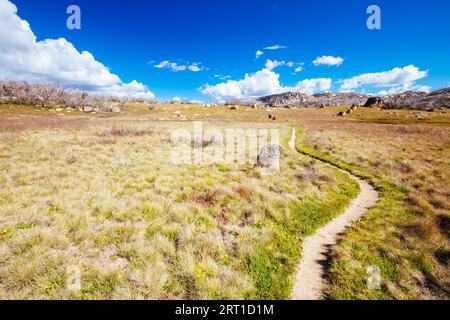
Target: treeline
50 96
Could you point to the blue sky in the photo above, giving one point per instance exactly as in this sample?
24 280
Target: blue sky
221 38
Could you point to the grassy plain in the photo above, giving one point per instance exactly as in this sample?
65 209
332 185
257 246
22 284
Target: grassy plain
99 192
405 154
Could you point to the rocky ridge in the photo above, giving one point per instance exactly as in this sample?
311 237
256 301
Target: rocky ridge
407 100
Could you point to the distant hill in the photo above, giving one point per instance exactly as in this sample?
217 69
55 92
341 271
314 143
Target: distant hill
407 100
303 100
413 100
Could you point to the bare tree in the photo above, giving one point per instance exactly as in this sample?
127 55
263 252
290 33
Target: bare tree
47 96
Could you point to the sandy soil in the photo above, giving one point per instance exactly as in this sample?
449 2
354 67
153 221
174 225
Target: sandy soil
310 280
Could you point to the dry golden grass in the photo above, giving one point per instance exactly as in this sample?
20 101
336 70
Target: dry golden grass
100 193
407 233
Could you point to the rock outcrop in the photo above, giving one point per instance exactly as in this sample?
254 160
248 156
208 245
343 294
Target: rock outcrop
406 100
412 100
374 102
303 100
269 156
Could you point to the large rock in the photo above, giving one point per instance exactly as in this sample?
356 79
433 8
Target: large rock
374 102
88 108
269 156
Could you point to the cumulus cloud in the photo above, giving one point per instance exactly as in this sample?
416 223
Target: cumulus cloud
175 67
259 53
312 86
298 69
261 83
218 76
195 67
133 89
170 65
403 88
328 61
398 79
275 47
272 64
258 84
57 61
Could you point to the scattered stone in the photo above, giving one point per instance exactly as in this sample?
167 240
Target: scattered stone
374 102
269 156
88 109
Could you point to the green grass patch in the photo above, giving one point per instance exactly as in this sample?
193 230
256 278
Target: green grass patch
273 264
374 241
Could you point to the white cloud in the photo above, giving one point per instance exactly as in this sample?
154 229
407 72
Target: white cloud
328 61
261 83
398 78
133 89
312 86
195 67
175 67
298 69
170 65
56 61
259 53
272 64
410 86
218 76
275 47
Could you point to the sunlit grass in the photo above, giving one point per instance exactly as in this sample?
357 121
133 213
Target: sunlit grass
105 197
403 234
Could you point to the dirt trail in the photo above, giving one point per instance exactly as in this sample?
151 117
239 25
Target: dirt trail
310 280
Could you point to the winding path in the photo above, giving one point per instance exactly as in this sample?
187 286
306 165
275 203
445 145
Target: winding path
309 281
